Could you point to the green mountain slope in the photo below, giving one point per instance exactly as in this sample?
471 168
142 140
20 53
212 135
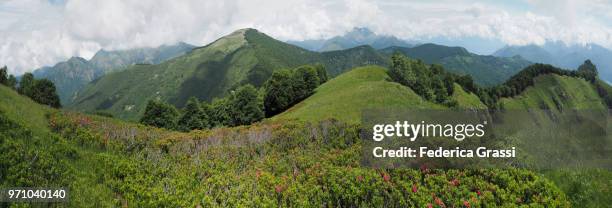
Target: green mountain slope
245 56
466 100
345 96
485 70
107 162
69 76
72 75
23 110
34 155
556 93
585 187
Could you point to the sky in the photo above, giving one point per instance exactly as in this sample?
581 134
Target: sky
36 33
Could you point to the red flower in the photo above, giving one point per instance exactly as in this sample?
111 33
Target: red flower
386 177
429 205
454 182
466 203
414 188
478 192
439 201
258 174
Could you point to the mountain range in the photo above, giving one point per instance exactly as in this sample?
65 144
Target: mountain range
245 56
563 55
356 37
72 75
486 70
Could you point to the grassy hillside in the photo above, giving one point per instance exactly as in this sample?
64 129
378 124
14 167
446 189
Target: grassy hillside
346 96
107 162
266 164
245 56
23 110
556 92
467 100
586 187
34 155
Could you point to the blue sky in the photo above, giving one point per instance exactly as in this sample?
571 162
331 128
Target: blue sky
35 33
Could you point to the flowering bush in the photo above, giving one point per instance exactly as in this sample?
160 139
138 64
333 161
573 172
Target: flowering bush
291 164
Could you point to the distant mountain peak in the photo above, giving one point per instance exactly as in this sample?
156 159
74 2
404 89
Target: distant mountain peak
353 38
563 55
76 59
360 33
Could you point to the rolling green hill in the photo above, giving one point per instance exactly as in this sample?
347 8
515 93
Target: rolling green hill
34 155
245 56
110 163
585 187
466 100
485 70
556 93
23 110
346 96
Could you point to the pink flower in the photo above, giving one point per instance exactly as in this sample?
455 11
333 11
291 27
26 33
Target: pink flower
279 188
466 203
414 188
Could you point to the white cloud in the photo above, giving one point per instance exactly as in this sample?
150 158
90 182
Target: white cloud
34 33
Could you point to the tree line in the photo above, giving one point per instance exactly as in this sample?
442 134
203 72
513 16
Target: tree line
431 82
40 90
435 84
242 106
